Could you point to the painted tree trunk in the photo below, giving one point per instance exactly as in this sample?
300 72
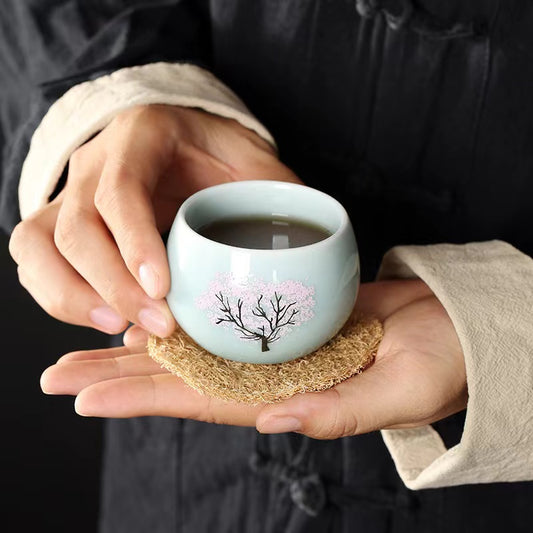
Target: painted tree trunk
264 344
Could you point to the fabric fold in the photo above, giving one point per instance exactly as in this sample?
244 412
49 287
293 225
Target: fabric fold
88 107
487 290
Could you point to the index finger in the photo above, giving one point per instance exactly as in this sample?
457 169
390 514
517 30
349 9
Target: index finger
160 395
123 199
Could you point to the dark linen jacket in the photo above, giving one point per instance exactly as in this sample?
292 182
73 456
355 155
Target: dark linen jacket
417 116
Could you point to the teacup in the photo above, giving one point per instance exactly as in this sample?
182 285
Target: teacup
262 305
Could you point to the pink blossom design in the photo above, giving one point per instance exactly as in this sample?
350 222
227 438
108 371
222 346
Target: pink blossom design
255 309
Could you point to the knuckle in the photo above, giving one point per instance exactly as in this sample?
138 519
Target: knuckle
19 237
327 430
133 249
26 236
348 424
101 197
109 193
65 233
78 158
114 297
113 208
339 421
23 278
58 304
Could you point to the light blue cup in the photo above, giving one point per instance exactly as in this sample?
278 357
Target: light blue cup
262 306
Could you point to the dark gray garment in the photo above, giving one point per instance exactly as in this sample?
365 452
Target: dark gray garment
417 116
48 46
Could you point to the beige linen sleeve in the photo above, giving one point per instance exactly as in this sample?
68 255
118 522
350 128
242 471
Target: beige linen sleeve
88 107
487 290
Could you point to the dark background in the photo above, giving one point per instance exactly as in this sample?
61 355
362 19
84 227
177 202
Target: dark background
51 456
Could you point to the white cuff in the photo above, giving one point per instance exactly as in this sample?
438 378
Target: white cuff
487 290
90 106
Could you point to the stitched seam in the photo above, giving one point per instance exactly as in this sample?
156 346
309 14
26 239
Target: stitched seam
487 68
430 124
481 103
379 27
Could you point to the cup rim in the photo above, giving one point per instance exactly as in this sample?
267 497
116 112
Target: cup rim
343 226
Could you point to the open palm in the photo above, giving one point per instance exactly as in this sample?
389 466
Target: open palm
418 377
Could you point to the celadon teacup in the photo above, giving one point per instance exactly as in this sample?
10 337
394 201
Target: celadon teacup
255 305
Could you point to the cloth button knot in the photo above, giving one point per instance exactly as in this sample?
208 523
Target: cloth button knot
367 8
395 18
307 490
308 494
400 14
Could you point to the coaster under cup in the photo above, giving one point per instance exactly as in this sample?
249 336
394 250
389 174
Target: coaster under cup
347 354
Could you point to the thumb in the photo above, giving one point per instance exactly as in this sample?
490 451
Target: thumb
378 398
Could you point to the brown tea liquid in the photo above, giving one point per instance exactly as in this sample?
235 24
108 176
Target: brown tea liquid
263 233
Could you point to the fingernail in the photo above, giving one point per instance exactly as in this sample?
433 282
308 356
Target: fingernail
154 321
149 280
280 424
107 319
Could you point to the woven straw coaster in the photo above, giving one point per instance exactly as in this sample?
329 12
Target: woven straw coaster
348 353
